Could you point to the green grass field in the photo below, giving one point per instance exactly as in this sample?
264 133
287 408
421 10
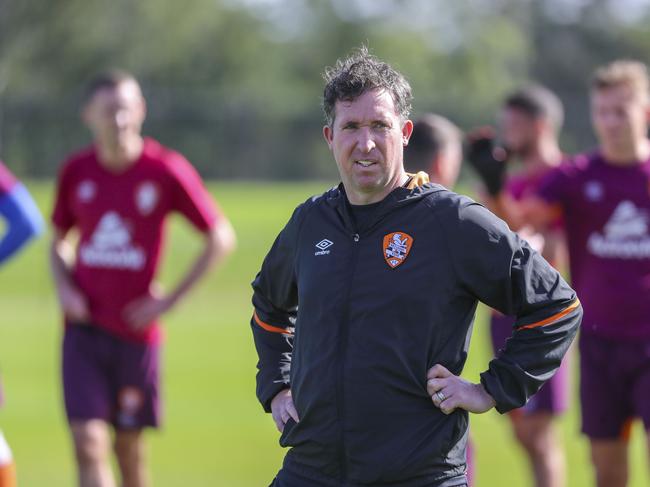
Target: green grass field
215 433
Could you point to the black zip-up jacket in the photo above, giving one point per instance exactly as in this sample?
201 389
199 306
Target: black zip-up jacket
351 317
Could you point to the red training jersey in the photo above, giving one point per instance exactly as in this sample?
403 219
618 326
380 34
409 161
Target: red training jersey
120 218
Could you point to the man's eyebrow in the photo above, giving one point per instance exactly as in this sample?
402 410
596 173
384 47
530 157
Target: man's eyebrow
347 123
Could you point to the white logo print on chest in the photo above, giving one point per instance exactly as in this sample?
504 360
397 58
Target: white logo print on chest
323 247
624 236
111 246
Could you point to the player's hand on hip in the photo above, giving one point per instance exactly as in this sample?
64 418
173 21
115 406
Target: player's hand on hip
74 304
450 392
141 312
282 408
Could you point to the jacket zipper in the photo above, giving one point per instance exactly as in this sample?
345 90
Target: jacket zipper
345 332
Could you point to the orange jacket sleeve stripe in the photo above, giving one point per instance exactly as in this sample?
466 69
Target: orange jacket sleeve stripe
267 327
554 318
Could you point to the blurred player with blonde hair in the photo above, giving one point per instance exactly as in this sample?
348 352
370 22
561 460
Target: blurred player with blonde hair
604 198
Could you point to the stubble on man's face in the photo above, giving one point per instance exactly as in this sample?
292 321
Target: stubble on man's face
367 139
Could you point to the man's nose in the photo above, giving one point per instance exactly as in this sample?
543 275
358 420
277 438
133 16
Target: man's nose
121 119
366 140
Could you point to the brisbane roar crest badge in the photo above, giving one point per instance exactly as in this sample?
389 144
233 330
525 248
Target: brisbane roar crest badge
397 246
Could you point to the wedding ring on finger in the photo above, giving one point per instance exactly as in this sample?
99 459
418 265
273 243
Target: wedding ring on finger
441 396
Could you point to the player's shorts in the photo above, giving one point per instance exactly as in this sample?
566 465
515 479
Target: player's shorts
614 385
107 378
553 397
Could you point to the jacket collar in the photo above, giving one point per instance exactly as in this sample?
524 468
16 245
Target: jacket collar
416 187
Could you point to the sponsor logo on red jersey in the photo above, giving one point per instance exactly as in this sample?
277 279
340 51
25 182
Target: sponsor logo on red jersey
86 191
111 246
146 197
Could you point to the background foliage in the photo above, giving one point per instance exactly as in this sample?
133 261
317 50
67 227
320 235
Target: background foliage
235 84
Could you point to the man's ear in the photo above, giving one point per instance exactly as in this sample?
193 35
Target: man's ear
407 130
328 134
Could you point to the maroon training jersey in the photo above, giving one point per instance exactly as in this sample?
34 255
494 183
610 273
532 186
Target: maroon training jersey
120 217
607 220
7 180
523 185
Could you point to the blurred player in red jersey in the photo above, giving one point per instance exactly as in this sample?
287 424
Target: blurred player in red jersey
117 194
22 222
529 122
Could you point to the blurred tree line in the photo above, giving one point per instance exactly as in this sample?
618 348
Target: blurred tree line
235 84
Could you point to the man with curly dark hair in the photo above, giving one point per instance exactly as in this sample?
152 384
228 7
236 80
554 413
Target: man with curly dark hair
365 303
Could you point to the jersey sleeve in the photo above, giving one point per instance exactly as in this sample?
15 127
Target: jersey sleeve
554 187
190 196
63 216
275 302
7 180
501 270
23 219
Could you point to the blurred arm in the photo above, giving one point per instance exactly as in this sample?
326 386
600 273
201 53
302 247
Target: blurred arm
72 301
531 210
23 219
218 243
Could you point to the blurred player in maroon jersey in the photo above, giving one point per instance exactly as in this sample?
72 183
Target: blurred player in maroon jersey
529 122
604 199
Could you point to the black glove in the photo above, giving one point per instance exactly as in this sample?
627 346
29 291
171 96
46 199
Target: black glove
487 159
